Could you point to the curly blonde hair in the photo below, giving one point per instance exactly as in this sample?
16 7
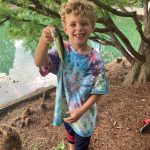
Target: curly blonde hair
79 7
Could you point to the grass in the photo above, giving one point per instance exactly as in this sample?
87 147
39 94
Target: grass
60 146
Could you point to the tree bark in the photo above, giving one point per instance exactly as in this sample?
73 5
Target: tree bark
140 72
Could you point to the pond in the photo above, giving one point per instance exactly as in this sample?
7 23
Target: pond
23 77
19 75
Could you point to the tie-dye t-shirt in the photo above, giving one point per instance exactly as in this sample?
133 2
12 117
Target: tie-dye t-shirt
81 76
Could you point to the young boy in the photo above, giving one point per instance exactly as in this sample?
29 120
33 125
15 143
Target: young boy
83 71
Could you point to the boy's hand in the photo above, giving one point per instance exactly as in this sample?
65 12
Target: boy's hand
74 116
46 35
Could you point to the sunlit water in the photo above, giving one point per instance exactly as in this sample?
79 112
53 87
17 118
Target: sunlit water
23 78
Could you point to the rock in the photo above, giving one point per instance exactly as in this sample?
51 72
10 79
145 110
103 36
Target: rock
43 107
27 112
22 123
27 121
119 60
46 95
13 124
9 138
17 122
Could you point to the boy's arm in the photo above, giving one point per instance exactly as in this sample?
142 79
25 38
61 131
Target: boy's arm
89 102
76 114
40 56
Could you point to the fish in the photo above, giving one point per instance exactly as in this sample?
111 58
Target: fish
58 40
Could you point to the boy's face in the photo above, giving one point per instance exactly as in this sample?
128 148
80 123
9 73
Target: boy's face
78 28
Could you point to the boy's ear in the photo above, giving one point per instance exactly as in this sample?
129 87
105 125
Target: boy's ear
65 29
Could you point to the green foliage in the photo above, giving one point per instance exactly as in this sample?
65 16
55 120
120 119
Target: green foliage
125 24
123 3
60 146
4 12
27 24
29 31
7 51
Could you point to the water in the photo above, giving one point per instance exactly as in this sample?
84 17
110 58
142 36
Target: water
23 78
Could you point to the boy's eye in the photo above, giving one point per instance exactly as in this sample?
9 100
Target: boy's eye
72 25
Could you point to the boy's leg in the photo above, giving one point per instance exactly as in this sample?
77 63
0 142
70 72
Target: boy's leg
71 147
70 134
82 143
76 142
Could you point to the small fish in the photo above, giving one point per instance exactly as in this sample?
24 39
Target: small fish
59 94
58 42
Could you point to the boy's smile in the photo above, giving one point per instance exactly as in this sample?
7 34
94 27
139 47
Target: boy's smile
78 28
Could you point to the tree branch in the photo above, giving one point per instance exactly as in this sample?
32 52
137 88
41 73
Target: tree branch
6 19
124 14
131 3
20 20
43 10
104 30
58 2
101 20
126 42
110 26
145 2
101 40
139 28
30 21
121 48
112 10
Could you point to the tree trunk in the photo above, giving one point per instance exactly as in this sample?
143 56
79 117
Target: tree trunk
140 72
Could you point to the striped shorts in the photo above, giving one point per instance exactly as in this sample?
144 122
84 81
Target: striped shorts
81 143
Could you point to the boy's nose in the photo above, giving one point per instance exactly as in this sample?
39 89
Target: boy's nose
79 27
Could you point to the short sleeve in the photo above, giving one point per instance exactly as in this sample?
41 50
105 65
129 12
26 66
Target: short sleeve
101 84
52 63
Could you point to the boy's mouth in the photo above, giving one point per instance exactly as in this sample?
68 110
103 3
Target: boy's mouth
81 35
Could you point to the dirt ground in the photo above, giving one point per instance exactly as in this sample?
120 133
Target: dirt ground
120 116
